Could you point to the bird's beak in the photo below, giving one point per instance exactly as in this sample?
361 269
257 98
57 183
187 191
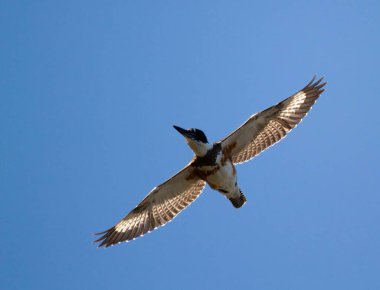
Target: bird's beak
184 132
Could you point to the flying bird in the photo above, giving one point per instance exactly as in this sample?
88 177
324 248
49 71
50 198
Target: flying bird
214 164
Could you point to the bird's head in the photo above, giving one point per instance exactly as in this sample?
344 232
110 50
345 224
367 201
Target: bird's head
196 139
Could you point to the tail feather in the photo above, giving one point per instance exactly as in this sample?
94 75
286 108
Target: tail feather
238 201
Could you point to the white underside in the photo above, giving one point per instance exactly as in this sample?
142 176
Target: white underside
224 179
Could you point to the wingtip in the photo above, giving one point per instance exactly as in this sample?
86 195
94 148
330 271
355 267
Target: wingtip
315 84
312 80
104 244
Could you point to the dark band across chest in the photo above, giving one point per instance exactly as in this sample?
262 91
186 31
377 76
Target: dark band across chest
210 158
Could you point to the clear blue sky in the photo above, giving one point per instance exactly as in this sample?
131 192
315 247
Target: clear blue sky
89 91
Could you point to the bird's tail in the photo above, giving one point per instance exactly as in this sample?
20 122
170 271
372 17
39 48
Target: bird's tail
238 201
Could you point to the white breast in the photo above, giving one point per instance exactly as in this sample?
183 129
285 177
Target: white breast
223 179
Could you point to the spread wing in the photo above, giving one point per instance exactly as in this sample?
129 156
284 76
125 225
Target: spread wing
160 206
268 127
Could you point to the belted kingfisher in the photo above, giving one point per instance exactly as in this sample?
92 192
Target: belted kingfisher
214 164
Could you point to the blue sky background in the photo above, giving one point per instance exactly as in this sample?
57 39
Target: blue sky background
89 91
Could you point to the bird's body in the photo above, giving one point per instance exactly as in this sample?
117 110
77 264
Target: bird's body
217 169
213 164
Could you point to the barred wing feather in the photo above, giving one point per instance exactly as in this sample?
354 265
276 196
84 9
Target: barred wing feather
268 127
160 206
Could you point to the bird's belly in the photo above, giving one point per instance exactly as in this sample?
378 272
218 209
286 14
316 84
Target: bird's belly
222 178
